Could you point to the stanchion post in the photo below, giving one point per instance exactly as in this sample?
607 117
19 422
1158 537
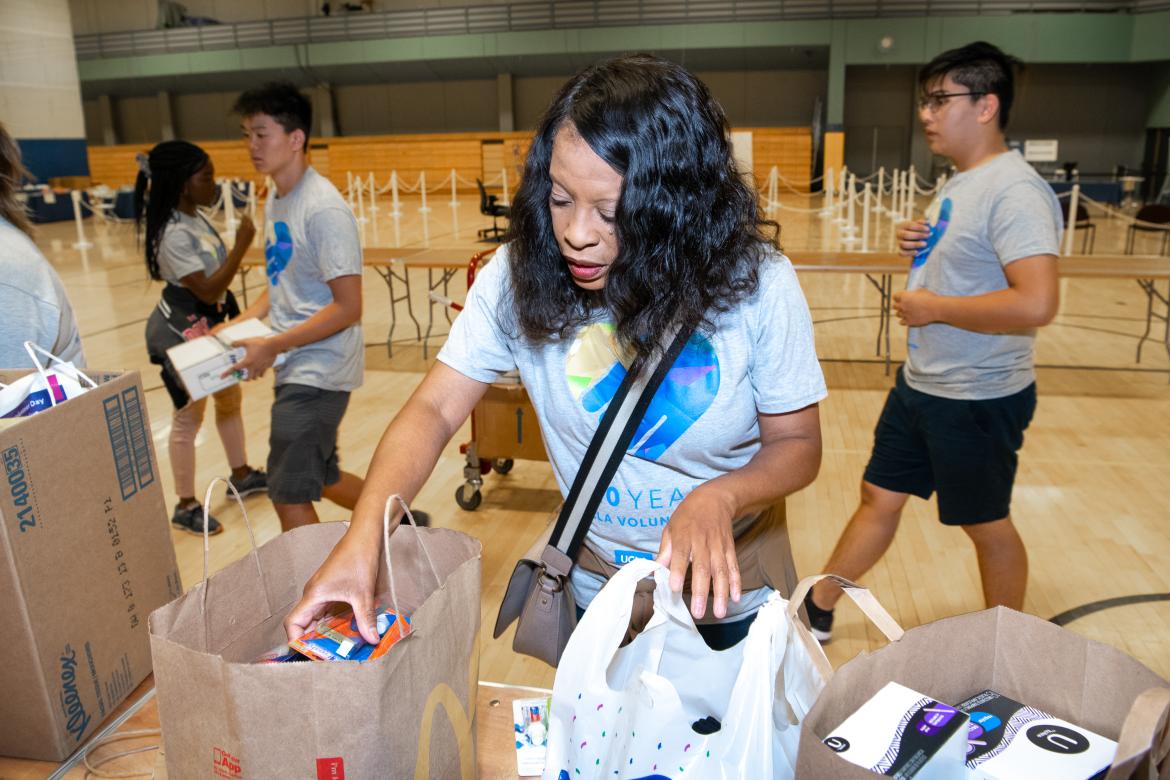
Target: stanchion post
422 187
81 242
454 197
866 208
394 209
881 185
843 181
229 205
373 196
361 201
1070 229
912 186
828 181
851 217
896 204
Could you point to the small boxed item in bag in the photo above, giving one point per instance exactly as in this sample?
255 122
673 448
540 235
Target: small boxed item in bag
282 654
336 638
902 733
1009 740
530 724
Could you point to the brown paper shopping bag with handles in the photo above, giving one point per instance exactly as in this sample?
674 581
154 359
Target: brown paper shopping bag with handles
410 713
1020 656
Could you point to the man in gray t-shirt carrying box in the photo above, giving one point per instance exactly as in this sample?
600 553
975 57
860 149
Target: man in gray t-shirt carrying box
313 260
982 279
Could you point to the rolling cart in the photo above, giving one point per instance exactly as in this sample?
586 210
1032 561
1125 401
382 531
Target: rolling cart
504 428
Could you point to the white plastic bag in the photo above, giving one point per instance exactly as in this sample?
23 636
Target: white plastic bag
637 711
54 382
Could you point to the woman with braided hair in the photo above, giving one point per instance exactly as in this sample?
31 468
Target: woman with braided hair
185 251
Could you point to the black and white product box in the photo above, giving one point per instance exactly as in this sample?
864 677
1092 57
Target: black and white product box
1010 741
902 733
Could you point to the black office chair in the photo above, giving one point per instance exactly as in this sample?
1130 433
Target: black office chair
490 208
1084 223
1157 217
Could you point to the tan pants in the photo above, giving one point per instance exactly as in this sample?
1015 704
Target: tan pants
185 425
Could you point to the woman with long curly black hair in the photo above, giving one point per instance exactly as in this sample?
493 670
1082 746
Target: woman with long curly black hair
185 251
631 220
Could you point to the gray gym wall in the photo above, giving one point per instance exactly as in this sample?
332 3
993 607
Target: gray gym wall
427 107
1098 112
750 98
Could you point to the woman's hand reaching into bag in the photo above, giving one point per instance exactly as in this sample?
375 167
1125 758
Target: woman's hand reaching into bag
348 575
699 535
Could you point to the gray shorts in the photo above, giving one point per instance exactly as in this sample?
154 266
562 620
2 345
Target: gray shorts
302 444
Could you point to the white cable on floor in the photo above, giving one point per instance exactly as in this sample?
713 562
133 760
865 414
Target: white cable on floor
92 769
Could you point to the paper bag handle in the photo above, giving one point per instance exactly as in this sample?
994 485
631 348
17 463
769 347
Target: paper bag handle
1146 732
207 548
386 548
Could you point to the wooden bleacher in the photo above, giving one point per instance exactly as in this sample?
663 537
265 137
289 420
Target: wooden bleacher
472 155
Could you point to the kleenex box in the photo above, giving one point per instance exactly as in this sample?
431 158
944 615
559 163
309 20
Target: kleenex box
902 733
1009 740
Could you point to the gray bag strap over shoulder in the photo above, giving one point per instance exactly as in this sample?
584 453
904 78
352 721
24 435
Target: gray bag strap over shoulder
537 592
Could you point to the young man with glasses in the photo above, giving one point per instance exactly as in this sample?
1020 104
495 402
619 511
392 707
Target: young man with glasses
983 278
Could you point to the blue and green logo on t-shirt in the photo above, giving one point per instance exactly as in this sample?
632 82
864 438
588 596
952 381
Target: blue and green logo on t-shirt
595 372
278 250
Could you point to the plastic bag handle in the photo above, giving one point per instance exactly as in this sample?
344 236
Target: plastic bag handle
32 349
617 595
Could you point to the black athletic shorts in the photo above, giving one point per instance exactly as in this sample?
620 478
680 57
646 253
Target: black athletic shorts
966 451
302 444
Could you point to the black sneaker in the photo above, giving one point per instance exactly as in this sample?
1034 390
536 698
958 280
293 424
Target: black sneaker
190 519
820 621
421 518
255 482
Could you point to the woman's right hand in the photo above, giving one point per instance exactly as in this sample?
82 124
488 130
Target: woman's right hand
245 232
912 236
348 575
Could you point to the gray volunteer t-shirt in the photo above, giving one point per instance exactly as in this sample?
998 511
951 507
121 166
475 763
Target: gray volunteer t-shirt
982 220
310 239
33 304
702 423
189 244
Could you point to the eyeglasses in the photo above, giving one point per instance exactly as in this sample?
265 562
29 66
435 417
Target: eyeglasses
935 100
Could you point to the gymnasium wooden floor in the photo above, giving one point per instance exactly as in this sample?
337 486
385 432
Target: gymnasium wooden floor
1090 499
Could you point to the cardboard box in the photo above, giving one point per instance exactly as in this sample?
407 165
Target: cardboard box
1009 740
902 733
202 361
506 425
85 557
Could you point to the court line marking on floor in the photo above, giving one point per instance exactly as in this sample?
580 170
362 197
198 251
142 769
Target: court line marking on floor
1068 616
